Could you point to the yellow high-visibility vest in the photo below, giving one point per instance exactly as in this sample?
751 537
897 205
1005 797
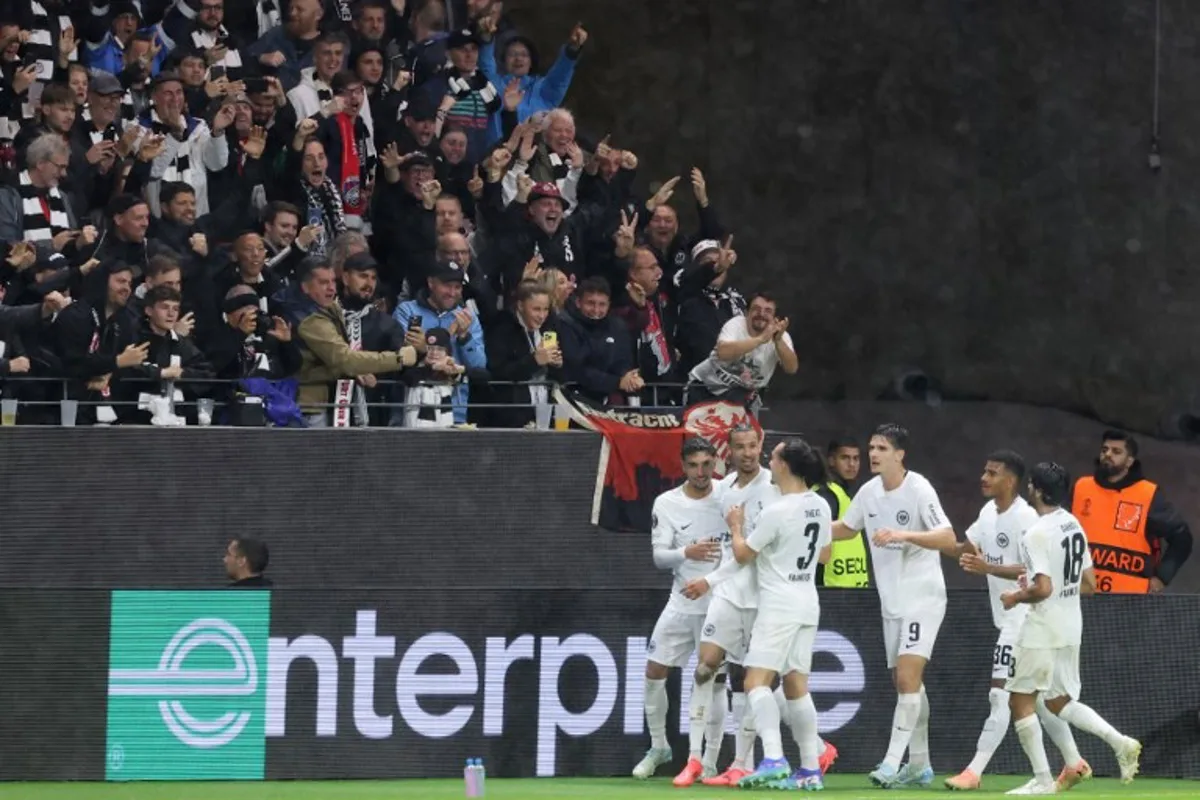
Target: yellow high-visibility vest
847 567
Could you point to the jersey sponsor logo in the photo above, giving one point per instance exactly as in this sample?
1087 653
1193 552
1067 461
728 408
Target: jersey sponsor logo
1129 516
651 646
710 629
1087 507
935 518
902 517
1002 539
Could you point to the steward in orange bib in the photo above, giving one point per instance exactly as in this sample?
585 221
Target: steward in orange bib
1138 540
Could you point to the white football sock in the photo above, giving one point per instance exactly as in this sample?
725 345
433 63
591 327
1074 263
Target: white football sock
701 699
655 701
904 720
804 728
918 745
714 731
744 757
1029 731
766 721
1084 718
994 728
1060 733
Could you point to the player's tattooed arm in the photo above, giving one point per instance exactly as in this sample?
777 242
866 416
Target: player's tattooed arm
741 551
1038 590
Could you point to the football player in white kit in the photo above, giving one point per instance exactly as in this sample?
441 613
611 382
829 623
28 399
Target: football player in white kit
1058 568
793 534
687 532
993 548
908 531
730 617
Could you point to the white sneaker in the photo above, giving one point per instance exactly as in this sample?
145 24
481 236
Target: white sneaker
654 758
1127 759
1035 786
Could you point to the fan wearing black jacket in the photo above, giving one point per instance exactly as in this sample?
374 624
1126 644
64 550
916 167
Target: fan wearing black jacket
169 357
520 354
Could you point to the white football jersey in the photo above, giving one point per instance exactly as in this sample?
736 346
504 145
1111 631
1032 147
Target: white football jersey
740 588
998 539
788 540
1057 547
909 578
679 521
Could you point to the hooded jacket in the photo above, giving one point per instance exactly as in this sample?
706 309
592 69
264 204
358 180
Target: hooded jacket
1164 525
542 92
596 354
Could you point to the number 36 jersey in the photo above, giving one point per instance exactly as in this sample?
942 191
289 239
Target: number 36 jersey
788 539
1055 546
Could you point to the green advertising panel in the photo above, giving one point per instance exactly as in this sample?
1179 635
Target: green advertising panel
187 685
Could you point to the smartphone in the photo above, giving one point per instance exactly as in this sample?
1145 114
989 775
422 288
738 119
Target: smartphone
414 324
216 73
31 60
550 340
256 85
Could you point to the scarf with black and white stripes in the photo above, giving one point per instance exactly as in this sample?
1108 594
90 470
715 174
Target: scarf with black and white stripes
348 396
207 40
43 40
34 221
186 162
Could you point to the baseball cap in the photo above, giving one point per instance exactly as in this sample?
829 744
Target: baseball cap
418 158
704 246
448 272
360 262
547 189
461 38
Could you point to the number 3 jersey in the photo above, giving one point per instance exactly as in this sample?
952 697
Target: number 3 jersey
1055 546
788 539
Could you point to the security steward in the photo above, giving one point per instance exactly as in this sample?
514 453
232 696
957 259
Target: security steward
849 559
1137 539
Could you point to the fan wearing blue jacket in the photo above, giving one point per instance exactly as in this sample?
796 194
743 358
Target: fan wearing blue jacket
516 58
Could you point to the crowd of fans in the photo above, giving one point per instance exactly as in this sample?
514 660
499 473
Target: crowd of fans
299 212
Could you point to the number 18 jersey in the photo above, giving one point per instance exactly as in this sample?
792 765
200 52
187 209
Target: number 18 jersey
1055 546
789 537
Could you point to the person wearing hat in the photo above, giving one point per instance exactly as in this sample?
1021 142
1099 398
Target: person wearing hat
476 99
439 304
515 58
193 147
704 312
112 53
404 217
124 238
369 329
535 225
419 127
311 306
94 140
249 344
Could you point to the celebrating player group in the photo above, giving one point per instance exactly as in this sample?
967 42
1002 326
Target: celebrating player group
744 553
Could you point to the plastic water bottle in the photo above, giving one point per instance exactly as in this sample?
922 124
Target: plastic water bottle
473 776
482 774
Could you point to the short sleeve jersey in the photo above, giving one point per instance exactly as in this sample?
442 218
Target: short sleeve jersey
678 521
909 578
998 538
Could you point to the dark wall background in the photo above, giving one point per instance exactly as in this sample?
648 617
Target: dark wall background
146 508
958 186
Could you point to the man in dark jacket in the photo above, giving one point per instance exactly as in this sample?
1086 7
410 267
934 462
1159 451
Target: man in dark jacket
649 317
597 355
245 562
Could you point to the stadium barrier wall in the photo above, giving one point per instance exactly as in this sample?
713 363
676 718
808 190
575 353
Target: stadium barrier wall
307 684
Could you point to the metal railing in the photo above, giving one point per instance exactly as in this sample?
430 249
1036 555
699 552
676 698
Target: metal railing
212 397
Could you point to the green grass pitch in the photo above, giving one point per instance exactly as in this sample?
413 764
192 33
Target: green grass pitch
846 787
